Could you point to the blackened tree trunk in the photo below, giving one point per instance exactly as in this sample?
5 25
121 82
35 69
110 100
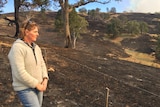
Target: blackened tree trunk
16 16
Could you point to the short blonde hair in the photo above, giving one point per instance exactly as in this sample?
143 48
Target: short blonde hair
26 25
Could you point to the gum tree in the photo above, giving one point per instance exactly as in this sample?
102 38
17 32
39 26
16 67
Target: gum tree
2 3
77 24
67 8
26 4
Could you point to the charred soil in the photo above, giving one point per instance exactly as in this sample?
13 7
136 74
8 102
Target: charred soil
82 76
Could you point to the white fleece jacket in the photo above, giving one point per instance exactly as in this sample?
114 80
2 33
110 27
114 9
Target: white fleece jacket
27 69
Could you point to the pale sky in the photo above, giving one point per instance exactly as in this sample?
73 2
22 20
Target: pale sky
143 6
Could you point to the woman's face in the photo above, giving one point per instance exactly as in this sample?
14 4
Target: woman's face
31 36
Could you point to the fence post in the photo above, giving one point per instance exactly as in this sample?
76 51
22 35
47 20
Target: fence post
107 94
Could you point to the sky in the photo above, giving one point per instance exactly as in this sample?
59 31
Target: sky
142 6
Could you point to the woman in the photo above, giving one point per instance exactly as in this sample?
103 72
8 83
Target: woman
29 71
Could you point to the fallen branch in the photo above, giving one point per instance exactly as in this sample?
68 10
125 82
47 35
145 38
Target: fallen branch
11 22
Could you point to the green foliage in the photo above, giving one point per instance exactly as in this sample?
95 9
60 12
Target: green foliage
41 3
158 28
157 52
104 16
113 10
94 14
59 21
2 3
133 27
143 27
78 24
121 25
97 15
114 27
83 10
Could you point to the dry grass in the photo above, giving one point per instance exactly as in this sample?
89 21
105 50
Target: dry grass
5 44
141 58
138 57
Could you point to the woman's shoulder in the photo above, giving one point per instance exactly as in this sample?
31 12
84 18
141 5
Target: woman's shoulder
18 41
18 44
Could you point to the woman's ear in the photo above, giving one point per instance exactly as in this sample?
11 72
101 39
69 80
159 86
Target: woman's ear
26 31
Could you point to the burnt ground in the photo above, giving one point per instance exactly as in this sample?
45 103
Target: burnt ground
82 75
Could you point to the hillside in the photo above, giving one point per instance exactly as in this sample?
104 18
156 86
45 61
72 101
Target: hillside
82 75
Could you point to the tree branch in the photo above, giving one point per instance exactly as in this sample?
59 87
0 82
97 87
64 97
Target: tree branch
10 22
81 3
2 3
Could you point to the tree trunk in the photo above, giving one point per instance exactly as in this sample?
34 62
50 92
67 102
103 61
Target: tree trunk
16 16
66 25
67 31
74 40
